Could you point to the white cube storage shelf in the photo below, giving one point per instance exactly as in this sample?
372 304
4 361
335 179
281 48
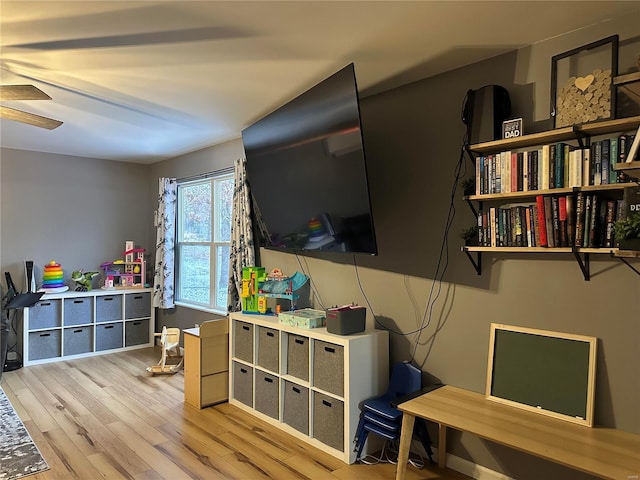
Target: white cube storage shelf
307 382
80 324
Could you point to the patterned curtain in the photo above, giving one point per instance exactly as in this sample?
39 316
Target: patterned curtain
165 243
242 248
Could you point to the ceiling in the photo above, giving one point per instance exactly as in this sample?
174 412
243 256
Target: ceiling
150 80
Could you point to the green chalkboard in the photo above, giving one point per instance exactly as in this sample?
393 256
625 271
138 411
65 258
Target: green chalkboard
545 371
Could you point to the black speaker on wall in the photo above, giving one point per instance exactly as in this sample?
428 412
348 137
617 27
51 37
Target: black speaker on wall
484 111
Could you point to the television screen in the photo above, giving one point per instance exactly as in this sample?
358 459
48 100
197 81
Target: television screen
307 171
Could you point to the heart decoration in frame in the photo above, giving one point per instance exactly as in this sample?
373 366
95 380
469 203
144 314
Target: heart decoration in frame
581 83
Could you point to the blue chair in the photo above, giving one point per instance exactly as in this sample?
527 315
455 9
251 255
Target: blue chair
380 416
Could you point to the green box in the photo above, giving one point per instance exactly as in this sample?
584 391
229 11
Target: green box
304 318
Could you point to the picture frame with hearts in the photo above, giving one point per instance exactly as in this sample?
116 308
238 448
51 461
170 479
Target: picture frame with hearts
582 83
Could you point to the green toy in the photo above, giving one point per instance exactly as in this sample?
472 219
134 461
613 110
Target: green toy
83 280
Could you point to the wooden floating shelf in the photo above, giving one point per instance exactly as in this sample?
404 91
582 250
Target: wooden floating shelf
559 134
552 191
605 250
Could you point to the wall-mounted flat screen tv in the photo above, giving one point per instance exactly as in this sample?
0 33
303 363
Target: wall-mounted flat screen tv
307 171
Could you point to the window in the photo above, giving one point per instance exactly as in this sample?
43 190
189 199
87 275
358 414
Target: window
204 242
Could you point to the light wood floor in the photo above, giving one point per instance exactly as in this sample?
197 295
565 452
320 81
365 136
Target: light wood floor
106 417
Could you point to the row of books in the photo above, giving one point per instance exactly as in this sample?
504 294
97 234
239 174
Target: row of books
575 220
557 165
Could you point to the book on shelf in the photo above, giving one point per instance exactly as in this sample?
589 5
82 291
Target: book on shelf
587 220
541 221
580 209
601 223
593 222
562 221
604 174
544 174
571 219
555 221
596 154
552 165
586 166
548 218
610 219
613 152
505 165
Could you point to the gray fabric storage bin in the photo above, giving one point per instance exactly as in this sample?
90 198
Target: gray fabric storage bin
295 411
78 311
328 420
268 348
137 305
298 357
108 308
243 341
136 332
44 344
267 388
108 336
45 314
328 367
78 340
243 383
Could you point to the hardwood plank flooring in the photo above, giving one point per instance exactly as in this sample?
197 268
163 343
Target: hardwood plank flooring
106 417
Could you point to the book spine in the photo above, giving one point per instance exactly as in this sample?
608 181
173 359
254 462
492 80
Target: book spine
580 201
610 220
493 222
478 176
548 218
593 222
531 241
506 172
587 220
559 165
535 175
586 166
571 220
514 171
605 161
562 220
542 224
536 225
552 165
597 163
520 171
613 153
544 174
555 216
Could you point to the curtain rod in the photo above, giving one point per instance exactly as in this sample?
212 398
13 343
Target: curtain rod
202 176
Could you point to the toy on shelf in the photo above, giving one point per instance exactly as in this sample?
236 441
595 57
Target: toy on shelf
127 273
53 278
257 286
83 280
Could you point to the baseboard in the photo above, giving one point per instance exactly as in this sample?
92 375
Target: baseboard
466 467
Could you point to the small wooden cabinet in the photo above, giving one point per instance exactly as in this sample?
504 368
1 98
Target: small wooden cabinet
206 363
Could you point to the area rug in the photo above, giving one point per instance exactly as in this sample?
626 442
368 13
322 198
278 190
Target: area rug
19 456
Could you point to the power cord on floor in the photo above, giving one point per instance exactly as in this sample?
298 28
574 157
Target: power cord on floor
391 447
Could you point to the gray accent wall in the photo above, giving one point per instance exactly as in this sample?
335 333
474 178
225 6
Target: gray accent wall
438 309
76 211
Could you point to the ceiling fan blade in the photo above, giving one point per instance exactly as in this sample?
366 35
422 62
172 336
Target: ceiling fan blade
22 92
29 118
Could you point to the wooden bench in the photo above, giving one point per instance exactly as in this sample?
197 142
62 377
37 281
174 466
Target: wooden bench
603 452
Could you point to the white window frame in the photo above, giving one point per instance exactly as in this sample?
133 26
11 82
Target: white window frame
213 246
